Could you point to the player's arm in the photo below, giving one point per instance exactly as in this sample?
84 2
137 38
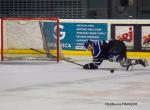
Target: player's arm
96 58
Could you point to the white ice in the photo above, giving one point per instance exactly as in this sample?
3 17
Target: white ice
66 86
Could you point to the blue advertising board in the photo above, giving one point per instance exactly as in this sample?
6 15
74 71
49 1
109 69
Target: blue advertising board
73 35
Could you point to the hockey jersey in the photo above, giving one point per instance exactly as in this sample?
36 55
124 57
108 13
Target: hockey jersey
103 50
97 52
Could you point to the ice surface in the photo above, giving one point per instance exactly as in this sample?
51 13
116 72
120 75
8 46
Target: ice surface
65 86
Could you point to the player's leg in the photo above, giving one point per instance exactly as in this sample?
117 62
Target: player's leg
117 51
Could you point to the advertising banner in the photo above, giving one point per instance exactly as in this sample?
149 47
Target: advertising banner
73 35
145 37
126 34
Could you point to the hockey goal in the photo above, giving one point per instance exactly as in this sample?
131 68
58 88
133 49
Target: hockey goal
30 39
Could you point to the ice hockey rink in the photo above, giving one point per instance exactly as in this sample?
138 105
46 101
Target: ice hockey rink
66 86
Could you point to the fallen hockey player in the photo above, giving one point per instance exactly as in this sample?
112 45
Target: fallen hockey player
114 51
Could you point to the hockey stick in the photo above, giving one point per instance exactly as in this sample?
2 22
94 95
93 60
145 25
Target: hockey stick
55 57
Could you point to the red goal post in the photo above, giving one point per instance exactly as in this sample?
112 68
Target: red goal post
57 33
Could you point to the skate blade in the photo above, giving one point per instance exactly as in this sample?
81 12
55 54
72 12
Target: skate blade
146 62
129 68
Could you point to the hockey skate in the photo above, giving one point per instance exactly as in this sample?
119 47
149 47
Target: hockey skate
131 65
142 62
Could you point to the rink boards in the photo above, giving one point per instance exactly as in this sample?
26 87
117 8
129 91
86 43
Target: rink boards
145 53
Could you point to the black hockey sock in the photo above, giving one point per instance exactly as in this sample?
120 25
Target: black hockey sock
142 62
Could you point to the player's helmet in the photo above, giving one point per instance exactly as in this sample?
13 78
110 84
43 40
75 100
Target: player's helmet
87 43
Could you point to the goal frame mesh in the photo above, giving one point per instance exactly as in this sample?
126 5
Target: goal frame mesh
29 19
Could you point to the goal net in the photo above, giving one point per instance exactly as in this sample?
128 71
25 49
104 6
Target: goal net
30 39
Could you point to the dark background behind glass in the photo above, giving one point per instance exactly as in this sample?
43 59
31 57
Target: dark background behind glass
76 9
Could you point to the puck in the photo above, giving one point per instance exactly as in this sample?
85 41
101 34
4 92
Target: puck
112 70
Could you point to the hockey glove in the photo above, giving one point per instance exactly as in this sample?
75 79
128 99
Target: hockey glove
90 66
